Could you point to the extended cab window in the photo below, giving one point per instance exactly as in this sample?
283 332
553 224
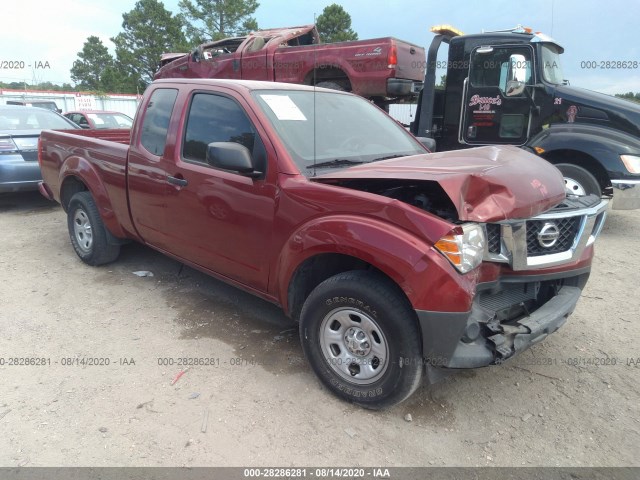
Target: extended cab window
213 118
156 120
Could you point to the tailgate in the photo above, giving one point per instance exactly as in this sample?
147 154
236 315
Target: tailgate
411 61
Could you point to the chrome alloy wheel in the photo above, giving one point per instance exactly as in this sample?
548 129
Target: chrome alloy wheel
354 346
82 230
573 187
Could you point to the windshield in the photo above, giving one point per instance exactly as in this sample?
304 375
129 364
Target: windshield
27 118
110 120
342 130
551 67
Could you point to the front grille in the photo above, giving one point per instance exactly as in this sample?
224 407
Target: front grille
567 228
493 238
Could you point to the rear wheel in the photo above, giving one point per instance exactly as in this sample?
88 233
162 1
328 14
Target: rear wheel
361 338
331 85
578 181
87 232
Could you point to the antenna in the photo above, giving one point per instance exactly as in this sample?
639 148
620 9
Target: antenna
315 68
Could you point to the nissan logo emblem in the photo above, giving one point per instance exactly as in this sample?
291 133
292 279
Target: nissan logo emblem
548 235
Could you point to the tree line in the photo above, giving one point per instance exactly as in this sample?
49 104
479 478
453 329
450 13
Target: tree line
634 97
149 30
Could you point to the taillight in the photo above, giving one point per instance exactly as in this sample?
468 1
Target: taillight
40 152
7 145
392 56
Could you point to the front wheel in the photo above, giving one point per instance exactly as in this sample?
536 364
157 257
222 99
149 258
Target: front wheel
578 181
361 338
87 232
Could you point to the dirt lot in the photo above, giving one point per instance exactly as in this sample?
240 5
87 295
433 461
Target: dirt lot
554 405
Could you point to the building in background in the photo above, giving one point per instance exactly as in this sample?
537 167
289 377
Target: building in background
67 101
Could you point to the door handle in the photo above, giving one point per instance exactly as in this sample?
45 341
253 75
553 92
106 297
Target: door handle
180 182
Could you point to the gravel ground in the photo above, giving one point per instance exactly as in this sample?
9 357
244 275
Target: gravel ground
562 403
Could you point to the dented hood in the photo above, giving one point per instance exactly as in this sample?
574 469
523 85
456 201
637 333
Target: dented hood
485 184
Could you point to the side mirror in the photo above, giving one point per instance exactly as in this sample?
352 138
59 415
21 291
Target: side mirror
514 88
85 126
516 75
233 157
428 143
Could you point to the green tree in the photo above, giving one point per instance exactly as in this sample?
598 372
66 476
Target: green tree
149 30
94 58
217 19
334 25
116 79
634 97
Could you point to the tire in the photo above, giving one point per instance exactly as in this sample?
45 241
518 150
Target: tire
348 325
331 85
88 234
381 103
578 181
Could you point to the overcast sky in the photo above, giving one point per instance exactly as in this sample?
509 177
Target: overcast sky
590 30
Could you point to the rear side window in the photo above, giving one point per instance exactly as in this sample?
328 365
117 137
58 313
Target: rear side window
80 120
156 120
213 118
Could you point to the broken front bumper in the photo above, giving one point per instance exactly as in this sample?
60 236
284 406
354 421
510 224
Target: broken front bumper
506 318
529 297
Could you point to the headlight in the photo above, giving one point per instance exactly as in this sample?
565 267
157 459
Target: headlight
632 162
464 251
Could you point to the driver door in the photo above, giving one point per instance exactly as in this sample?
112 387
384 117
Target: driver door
497 109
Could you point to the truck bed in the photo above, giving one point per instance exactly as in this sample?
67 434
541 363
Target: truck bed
107 150
118 135
377 68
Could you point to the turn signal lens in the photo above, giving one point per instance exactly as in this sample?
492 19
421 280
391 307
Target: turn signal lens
464 251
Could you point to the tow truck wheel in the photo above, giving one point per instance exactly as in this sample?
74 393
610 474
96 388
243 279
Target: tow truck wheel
361 337
87 232
578 181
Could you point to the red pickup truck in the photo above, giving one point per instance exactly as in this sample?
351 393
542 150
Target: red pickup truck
381 69
397 263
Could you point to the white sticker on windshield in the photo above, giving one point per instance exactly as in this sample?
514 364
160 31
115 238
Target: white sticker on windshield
283 107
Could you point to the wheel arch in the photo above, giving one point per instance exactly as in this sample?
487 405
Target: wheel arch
580 159
71 185
595 148
332 245
318 268
328 73
77 175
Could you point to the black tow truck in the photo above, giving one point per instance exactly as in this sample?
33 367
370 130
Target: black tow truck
507 87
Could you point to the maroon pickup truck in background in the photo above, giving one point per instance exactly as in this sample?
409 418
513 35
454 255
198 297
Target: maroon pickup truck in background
381 69
398 264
